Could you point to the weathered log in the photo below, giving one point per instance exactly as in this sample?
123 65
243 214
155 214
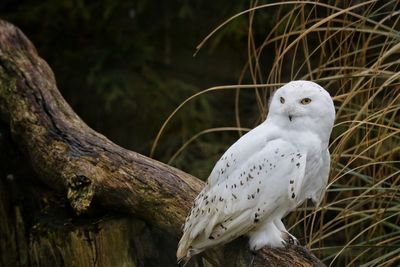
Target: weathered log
38 228
74 160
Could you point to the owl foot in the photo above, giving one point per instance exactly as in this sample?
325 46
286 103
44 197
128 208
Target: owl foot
290 239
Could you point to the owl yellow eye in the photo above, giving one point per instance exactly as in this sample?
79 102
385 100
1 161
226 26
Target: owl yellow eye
282 100
305 101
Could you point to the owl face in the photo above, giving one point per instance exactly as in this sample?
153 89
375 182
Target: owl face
302 99
303 105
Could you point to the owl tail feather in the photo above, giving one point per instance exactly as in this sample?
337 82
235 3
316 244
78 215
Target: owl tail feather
185 250
183 247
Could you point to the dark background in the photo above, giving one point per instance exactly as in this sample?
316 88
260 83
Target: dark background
124 66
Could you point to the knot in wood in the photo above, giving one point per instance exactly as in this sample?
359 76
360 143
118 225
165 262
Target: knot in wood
80 192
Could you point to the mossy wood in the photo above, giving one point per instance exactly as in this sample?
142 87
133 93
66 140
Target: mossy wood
89 170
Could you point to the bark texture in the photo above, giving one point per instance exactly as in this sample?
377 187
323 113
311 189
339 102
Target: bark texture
88 170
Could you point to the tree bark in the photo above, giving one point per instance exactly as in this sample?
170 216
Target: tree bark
90 170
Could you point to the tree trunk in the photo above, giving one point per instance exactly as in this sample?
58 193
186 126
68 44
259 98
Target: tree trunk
80 168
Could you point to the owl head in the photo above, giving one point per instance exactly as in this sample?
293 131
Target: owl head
303 105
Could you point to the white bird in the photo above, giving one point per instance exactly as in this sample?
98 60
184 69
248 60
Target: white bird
266 174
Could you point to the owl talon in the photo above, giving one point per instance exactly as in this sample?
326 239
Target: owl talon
290 239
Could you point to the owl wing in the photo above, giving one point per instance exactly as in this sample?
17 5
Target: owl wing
319 187
267 183
239 153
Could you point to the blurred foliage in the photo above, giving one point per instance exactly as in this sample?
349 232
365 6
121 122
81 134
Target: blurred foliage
125 65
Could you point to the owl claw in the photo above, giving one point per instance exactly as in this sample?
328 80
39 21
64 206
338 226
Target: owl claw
290 239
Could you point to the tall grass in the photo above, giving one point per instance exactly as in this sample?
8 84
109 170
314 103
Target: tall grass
352 50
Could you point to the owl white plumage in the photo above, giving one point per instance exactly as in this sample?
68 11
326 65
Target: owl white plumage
266 174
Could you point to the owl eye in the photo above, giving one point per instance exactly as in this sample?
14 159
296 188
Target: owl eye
305 101
282 100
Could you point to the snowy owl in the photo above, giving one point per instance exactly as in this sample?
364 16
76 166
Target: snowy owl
266 174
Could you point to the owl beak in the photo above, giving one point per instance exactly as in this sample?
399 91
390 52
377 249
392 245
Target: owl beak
289 110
